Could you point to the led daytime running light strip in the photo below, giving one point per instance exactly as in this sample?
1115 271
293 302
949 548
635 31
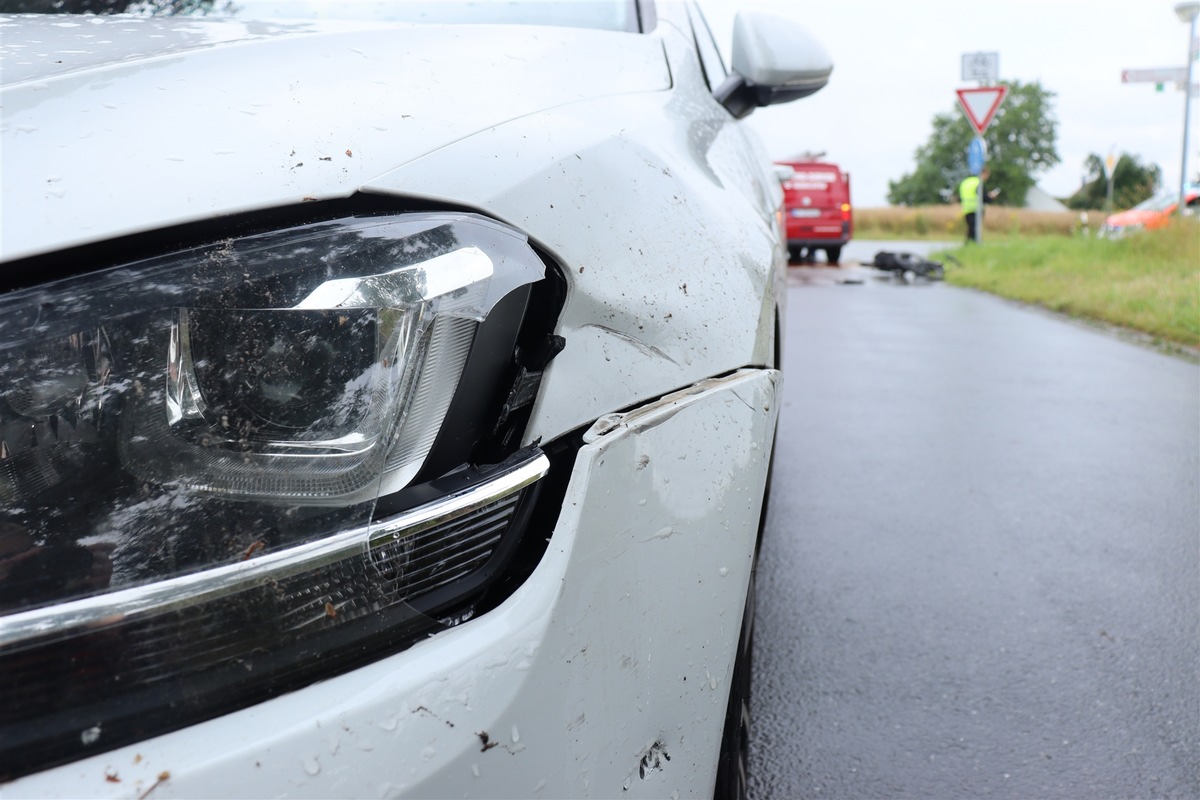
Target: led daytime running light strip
186 590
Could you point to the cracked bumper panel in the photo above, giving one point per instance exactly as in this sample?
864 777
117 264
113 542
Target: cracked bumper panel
624 635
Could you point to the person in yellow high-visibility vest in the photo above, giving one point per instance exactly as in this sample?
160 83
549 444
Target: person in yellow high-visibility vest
968 195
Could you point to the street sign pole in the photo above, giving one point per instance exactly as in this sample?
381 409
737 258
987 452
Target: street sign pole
979 211
980 106
1110 164
976 158
1187 12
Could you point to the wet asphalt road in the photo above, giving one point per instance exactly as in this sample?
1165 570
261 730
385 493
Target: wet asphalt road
981 570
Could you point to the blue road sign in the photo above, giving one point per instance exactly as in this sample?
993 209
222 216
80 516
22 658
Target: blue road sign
976 155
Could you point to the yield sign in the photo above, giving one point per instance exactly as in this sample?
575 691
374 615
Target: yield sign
981 105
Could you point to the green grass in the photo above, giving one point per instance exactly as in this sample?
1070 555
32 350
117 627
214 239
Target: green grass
1149 282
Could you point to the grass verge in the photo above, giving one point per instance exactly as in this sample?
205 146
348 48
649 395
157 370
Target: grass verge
1149 282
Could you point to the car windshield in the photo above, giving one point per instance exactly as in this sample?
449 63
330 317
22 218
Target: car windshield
1160 202
619 15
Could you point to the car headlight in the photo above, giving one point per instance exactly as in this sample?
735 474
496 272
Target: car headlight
191 453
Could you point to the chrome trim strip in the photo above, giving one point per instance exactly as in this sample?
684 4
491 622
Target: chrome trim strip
121 606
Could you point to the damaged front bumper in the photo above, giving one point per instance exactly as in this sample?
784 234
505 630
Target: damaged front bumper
605 674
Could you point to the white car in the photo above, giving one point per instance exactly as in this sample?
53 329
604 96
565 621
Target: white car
386 405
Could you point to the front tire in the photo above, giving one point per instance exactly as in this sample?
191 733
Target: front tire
733 763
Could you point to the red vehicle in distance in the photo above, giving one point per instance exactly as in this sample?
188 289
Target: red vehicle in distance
816 200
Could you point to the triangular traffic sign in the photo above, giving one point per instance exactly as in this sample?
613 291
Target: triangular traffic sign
981 105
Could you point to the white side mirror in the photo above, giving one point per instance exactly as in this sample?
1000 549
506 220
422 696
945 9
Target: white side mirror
775 60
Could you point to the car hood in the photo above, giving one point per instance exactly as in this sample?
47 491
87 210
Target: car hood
117 125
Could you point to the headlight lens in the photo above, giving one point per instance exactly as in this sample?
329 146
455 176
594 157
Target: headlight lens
289 382
203 437
306 367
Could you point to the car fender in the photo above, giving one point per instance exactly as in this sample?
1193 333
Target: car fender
612 201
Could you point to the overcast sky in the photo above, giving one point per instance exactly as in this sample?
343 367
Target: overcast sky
896 64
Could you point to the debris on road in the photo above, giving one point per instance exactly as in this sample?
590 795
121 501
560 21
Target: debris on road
907 266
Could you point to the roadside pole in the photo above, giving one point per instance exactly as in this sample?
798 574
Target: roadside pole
1187 12
979 201
980 106
976 158
1110 164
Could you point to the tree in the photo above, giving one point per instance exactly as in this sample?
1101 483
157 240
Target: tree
1020 143
1133 182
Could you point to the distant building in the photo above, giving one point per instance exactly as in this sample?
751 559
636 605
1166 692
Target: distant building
1038 200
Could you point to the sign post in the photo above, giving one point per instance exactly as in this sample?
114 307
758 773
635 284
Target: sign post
1110 166
1187 12
980 107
